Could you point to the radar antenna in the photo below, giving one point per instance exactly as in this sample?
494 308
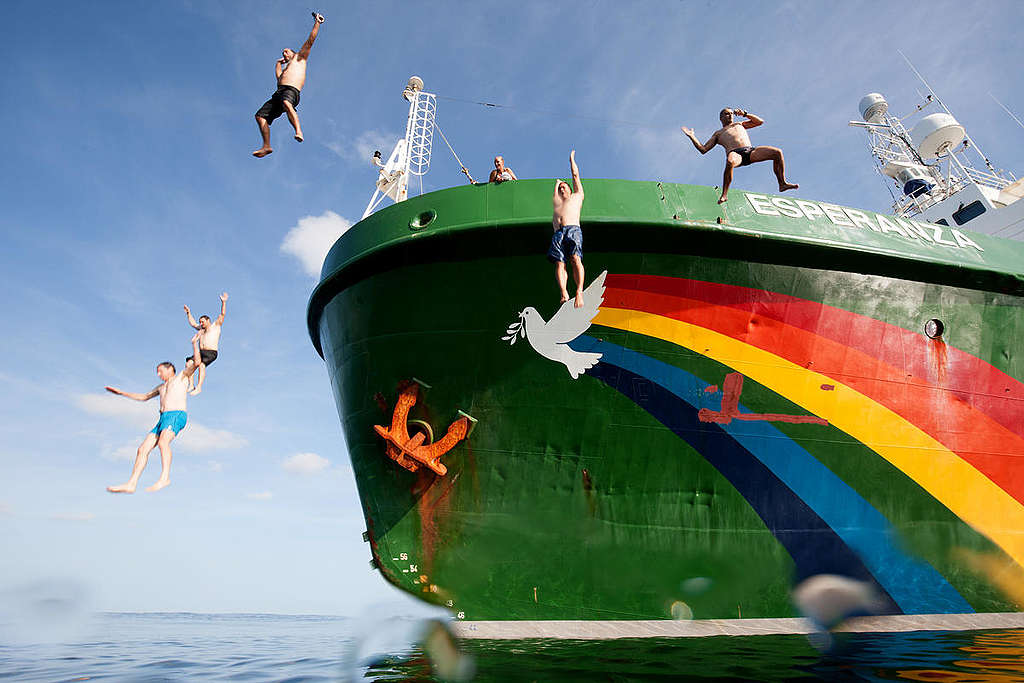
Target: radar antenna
411 155
932 161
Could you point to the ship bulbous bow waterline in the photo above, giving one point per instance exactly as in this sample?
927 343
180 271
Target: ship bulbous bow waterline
770 415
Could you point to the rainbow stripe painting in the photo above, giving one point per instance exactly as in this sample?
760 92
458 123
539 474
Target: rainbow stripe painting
829 378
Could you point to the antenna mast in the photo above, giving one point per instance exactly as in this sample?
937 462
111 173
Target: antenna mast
932 161
411 155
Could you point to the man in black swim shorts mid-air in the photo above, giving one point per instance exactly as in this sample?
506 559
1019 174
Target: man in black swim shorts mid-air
738 152
209 340
291 76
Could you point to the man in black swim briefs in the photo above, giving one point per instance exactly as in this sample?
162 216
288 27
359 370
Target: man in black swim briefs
291 77
738 151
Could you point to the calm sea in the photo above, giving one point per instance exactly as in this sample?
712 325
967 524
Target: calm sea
199 647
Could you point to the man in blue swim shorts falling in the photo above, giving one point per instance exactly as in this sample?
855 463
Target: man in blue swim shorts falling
173 394
567 242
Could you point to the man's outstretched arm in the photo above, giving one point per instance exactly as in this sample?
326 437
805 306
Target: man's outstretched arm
191 320
134 396
308 45
577 186
223 309
753 120
707 146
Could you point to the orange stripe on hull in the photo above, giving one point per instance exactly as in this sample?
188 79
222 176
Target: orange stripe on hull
979 439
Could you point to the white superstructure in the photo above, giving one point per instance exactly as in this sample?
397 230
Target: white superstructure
941 174
411 155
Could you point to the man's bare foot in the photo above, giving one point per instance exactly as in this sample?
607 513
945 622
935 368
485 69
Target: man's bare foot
123 488
787 186
298 136
262 152
563 298
579 300
723 199
195 391
160 483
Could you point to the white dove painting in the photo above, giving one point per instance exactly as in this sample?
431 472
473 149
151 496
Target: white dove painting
551 339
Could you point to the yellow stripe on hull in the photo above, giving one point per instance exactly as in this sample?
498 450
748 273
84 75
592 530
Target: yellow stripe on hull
968 493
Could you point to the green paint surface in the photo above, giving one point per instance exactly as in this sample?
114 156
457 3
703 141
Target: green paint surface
516 530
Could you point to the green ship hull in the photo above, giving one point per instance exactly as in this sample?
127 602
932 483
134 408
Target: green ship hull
762 404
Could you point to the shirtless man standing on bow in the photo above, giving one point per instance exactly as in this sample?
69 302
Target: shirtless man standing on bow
173 396
567 242
738 152
209 338
291 76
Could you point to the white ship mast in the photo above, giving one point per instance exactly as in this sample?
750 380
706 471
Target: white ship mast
942 175
411 155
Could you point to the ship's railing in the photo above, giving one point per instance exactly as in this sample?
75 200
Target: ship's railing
909 206
985 178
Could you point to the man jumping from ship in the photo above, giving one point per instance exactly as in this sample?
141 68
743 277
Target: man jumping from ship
567 241
173 396
209 338
733 137
291 76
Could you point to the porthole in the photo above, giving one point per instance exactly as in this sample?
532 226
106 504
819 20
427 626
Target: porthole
422 220
934 328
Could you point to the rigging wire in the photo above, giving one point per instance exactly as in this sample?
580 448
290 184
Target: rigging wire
546 112
1012 116
452 150
549 112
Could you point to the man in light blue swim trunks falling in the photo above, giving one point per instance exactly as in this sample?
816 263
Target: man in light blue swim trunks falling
173 394
567 242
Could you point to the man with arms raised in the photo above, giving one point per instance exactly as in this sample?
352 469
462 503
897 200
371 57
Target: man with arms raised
291 76
738 152
209 339
172 420
567 242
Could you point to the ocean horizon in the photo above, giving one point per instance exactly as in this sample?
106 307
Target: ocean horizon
245 646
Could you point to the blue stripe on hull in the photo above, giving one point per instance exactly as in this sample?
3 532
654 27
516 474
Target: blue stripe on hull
826 526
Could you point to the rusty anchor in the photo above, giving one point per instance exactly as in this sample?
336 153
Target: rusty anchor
410 452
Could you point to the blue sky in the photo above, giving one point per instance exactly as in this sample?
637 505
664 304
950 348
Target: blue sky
128 190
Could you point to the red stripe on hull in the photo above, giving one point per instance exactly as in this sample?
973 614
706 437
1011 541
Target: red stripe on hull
976 437
927 361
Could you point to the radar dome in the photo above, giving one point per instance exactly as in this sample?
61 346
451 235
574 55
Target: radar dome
936 134
873 107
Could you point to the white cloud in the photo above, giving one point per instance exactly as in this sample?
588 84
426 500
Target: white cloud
74 517
124 452
363 147
263 495
305 463
196 437
215 466
199 438
311 239
137 413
